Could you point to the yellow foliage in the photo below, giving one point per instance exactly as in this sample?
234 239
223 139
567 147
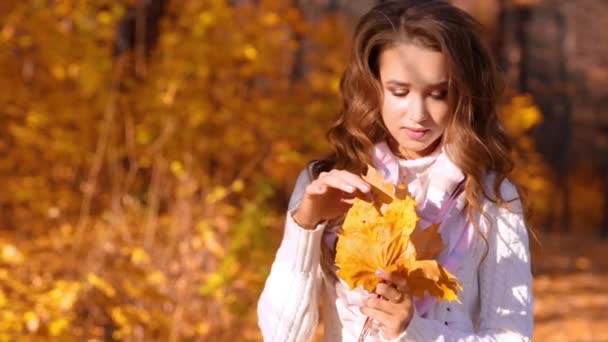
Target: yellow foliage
177 168
31 320
156 278
139 256
518 116
3 299
58 326
9 254
217 194
63 295
521 114
101 285
250 52
238 186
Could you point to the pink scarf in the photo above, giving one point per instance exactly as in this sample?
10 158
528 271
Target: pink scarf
432 188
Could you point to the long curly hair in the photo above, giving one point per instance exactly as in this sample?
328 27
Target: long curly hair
474 138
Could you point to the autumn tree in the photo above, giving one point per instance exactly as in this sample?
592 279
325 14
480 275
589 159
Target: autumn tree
142 178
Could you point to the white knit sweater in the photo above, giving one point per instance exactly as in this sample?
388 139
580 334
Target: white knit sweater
496 304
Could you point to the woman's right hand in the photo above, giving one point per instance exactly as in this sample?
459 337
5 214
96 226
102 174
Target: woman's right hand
329 196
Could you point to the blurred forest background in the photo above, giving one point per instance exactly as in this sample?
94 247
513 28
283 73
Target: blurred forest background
149 147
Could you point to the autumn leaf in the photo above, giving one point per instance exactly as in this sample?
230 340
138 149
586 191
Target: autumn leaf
430 276
382 191
402 215
427 242
387 239
361 217
362 249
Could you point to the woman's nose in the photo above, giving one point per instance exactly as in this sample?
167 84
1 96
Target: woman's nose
417 110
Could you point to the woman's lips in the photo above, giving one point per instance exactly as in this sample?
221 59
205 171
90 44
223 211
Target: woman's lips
415 133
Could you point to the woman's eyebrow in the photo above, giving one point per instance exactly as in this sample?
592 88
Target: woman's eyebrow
405 84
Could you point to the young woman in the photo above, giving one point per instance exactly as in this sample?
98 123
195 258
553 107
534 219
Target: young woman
419 104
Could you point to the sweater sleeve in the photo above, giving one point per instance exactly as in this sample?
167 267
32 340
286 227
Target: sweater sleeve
288 306
505 279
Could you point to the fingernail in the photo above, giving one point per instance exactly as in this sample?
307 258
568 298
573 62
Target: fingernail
381 274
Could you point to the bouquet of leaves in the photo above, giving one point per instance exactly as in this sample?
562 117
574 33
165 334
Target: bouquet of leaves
381 234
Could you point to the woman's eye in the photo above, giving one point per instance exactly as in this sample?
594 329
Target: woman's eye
441 95
400 93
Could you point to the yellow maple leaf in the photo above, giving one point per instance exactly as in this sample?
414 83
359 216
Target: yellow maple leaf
362 216
427 242
372 239
402 215
382 191
363 248
430 276
359 268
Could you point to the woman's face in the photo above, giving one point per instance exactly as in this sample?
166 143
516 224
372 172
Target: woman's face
415 105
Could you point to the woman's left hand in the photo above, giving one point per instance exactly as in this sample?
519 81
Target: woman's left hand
394 308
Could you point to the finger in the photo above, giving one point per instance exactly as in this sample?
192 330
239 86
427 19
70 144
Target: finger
397 312
320 188
389 292
350 197
381 304
354 180
338 183
347 200
380 316
399 281
316 188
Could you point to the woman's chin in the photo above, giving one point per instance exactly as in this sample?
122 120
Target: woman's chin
417 148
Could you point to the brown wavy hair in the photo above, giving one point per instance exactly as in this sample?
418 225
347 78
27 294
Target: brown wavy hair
474 138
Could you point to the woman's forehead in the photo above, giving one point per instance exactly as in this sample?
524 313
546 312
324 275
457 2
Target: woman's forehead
413 65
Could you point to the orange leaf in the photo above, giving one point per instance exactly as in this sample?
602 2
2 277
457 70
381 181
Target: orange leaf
402 215
372 240
368 242
383 191
427 242
428 275
361 216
